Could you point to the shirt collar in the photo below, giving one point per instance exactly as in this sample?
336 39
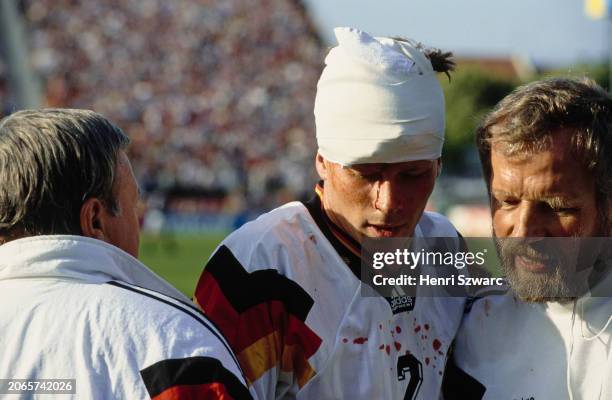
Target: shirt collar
78 258
347 247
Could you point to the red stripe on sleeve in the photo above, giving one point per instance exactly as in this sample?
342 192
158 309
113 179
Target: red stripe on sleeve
298 333
208 391
215 305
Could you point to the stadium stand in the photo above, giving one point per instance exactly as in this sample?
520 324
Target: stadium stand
216 95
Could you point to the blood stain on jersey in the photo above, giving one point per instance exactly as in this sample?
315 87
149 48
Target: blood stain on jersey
380 327
418 328
397 345
345 340
398 329
426 326
436 344
313 238
388 349
381 347
426 360
360 340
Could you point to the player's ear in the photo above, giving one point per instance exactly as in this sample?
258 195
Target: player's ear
322 166
92 218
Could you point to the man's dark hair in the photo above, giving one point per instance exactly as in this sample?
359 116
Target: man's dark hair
51 161
525 121
441 61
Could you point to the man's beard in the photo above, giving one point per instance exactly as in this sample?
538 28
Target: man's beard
567 261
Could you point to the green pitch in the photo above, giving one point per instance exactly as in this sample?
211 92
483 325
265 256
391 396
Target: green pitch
178 258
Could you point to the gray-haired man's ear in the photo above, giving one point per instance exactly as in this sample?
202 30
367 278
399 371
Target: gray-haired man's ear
92 218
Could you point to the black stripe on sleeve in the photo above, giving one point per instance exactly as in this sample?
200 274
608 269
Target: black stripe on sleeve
165 374
244 290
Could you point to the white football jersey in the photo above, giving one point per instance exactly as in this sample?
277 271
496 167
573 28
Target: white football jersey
285 291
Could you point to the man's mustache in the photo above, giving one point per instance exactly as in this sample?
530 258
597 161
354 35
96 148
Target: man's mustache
538 251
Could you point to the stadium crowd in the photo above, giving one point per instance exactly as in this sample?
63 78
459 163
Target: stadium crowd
215 95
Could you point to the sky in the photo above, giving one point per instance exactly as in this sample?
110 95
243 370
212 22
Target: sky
552 33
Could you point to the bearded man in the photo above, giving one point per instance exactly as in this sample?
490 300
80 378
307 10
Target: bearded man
546 153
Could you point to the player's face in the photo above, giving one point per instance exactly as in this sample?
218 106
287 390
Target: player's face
377 200
123 230
549 194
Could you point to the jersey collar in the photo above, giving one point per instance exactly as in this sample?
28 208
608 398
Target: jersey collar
347 247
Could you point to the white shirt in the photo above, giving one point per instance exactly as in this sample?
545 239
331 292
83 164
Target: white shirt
78 308
290 303
540 351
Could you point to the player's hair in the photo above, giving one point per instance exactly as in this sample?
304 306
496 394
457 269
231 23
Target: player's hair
525 121
441 61
51 161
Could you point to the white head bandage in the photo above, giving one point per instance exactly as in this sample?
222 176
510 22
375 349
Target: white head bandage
378 101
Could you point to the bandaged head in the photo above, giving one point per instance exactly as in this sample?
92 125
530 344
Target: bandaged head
378 101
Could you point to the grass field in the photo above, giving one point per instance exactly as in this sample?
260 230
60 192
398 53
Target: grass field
178 258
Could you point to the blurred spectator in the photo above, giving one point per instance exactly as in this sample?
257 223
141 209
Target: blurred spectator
5 101
215 95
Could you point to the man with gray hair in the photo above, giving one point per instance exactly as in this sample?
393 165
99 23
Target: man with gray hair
80 314
285 289
546 152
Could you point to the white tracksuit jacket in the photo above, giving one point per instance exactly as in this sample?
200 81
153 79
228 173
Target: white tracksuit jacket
78 308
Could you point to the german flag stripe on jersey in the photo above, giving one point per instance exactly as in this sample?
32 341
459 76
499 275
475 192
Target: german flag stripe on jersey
262 314
192 378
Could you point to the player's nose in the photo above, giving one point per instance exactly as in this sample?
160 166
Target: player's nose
388 197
